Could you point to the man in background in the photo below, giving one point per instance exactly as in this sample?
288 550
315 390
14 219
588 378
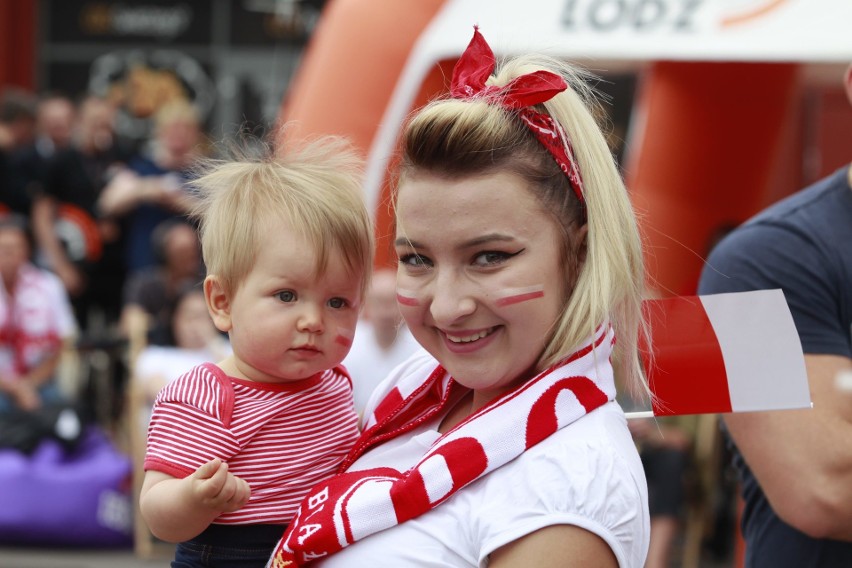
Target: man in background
796 466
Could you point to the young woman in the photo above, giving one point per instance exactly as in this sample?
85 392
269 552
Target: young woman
519 267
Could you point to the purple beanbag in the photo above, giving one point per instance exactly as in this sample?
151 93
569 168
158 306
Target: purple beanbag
60 498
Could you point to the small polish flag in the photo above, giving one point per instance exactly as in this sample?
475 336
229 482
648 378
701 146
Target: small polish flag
720 353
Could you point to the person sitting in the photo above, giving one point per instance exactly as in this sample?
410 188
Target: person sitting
36 321
150 293
192 339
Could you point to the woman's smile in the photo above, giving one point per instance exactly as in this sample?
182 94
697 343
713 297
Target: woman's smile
467 342
468 337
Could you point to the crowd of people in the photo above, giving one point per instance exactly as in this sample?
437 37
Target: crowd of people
107 215
459 410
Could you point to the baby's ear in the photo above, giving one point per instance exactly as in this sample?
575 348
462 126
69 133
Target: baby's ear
218 303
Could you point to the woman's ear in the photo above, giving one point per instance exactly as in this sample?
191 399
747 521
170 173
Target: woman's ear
218 303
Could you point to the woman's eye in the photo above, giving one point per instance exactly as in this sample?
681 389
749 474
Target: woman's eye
491 257
337 303
414 260
286 296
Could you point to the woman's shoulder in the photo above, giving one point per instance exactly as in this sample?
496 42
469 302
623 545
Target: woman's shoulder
595 449
587 474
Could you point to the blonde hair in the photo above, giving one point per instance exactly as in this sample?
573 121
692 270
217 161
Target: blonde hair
315 189
177 110
458 138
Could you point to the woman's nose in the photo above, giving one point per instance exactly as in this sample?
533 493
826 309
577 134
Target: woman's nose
451 299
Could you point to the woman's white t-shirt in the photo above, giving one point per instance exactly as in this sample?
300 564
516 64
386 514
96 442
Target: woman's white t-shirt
587 474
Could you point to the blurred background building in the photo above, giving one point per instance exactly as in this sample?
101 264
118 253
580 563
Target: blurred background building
232 59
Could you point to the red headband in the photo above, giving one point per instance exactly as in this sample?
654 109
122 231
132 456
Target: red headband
474 67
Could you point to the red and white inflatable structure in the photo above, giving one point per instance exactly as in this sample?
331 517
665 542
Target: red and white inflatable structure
716 121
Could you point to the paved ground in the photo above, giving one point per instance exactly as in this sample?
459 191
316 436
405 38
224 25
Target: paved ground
35 558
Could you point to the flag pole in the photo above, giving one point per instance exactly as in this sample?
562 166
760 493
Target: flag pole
639 414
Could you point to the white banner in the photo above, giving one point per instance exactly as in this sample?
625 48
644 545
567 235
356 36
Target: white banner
742 30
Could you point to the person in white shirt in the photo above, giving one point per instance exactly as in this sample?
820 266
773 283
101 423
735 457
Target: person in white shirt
382 340
36 320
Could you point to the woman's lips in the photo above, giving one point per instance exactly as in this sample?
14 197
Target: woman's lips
467 341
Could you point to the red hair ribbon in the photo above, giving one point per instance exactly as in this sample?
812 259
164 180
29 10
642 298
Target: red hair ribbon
473 69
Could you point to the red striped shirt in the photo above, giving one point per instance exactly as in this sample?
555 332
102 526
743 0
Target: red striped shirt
281 438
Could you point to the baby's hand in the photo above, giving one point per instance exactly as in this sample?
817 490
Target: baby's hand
218 489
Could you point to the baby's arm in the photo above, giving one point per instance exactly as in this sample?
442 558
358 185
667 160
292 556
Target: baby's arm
180 509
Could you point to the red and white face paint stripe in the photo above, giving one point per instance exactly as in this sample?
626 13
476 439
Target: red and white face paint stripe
407 298
510 296
344 337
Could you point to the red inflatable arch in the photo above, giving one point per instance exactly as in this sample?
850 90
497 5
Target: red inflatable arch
716 119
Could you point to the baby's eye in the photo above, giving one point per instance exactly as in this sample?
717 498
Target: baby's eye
286 296
414 260
337 303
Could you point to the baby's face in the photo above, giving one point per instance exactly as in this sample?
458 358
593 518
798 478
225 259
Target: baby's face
286 322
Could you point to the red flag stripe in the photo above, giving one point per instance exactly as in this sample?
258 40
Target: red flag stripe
688 374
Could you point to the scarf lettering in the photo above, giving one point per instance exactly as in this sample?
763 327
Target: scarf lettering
306 531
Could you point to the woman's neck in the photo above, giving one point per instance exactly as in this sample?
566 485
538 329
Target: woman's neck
460 409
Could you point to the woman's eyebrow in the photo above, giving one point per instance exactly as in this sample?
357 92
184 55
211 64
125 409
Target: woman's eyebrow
489 238
474 242
406 242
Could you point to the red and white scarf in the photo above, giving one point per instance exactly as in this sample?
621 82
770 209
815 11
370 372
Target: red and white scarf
353 505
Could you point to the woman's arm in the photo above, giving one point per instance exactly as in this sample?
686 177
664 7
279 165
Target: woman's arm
557 546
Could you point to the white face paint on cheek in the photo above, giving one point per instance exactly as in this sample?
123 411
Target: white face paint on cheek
344 337
509 296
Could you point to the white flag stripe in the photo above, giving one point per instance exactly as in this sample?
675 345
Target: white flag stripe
761 349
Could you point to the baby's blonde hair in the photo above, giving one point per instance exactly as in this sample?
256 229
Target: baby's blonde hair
315 189
456 138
